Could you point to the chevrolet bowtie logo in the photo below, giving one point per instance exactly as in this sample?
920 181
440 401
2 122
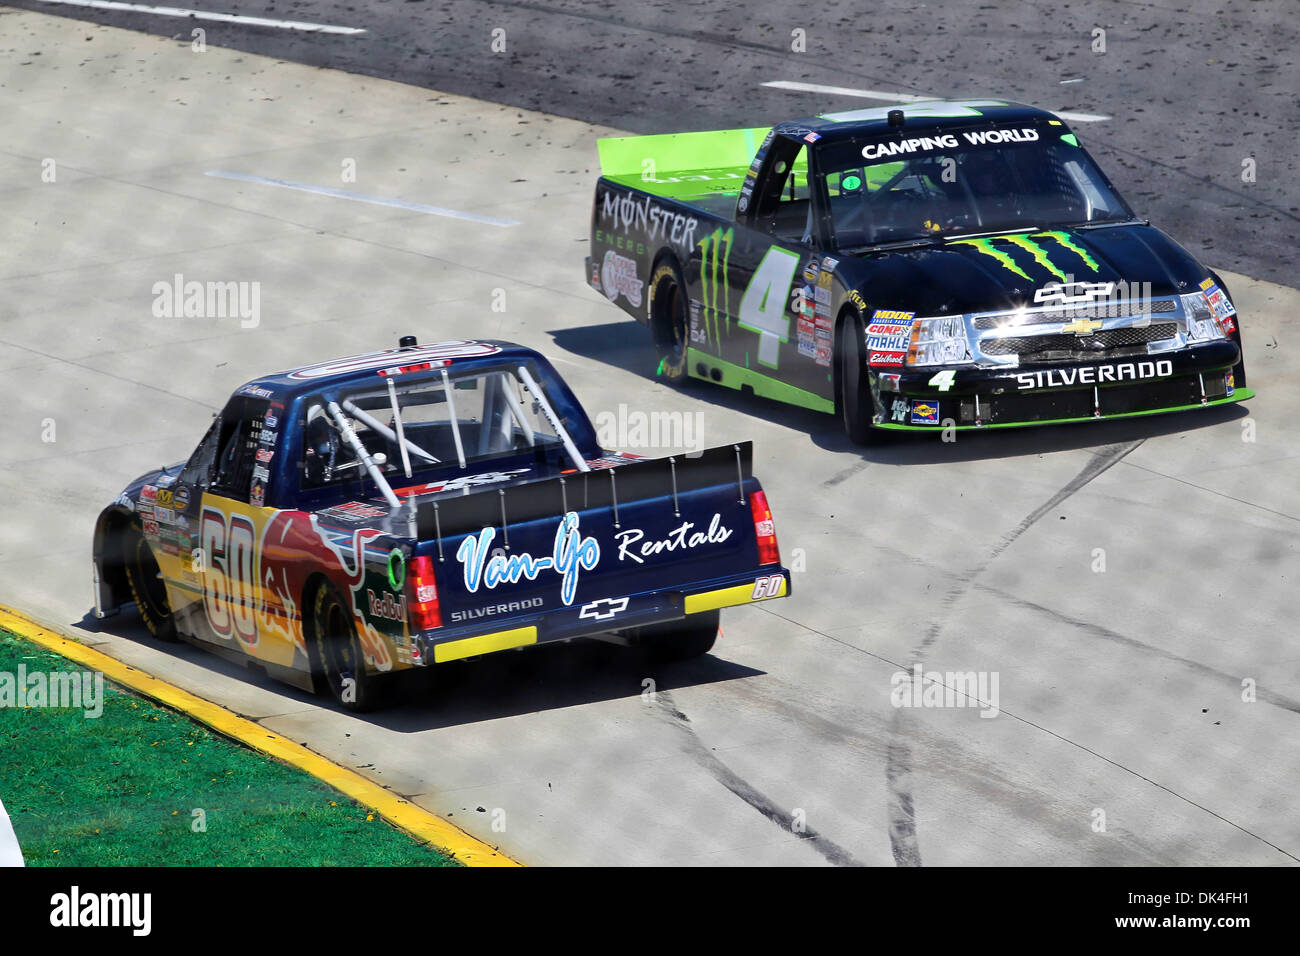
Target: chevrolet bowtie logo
1082 326
603 609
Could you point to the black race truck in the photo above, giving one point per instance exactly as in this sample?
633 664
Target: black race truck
947 265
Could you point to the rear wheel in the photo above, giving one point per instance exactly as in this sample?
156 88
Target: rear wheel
682 640
147 588
338 652
669 320
855 389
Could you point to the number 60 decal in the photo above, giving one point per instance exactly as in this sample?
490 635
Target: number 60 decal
229 585
768 587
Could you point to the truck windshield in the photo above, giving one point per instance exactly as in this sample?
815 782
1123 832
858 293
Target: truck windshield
896 189
408 423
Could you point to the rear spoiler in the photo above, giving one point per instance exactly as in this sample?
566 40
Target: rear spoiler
584 491
681 165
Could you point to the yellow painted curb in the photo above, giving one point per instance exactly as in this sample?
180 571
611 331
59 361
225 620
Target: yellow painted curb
416 821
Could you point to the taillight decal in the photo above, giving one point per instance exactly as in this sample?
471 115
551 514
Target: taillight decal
769 551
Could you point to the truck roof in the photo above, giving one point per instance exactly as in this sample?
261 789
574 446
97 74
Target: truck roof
926 115
289 384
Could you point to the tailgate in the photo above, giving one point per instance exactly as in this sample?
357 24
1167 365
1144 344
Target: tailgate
584 541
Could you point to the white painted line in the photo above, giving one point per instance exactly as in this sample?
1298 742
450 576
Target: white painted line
845 91
360 197
903 98
1080 117
202 15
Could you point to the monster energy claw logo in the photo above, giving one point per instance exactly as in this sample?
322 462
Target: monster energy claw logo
996 247
714 247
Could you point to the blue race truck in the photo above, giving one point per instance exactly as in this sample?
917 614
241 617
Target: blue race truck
344 521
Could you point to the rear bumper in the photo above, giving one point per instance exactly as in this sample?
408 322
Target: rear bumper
600 616
1039 395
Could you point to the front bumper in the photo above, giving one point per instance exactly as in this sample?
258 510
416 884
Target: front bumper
1190 378
600 616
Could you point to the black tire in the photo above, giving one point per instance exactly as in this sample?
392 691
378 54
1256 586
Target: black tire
669 319
338 653
682 640
147 588
854 388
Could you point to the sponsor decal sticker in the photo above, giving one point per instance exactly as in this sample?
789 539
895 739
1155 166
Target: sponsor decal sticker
627 212
888 336
181 498
620 278
354 509
1230 384
811 271
924 413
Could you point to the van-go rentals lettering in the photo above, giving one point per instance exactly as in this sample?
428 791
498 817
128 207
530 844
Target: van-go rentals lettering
75 908
1095 374
991 137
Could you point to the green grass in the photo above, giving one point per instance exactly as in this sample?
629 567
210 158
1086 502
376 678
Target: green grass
121 790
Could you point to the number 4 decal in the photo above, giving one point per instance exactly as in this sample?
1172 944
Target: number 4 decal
943 380
762 307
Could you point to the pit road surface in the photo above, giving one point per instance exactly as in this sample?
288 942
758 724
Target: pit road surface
1121 735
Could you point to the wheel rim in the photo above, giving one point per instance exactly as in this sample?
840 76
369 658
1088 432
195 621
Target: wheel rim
337 648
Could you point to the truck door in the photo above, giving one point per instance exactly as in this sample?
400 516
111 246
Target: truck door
758 278
231 521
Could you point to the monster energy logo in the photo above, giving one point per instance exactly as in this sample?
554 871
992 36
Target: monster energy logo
712 247
1042 256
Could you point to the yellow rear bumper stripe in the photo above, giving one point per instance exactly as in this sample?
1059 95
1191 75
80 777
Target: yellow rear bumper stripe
727 597
484 644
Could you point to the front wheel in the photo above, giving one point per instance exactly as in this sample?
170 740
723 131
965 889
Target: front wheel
338 653
147 588
855 389
669 320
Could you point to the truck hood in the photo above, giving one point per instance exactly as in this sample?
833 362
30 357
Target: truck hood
995 273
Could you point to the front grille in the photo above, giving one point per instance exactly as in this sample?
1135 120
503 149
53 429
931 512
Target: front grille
1105 310
1059 345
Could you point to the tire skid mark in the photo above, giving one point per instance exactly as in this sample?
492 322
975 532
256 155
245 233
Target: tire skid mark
831 851
898 764
1105 633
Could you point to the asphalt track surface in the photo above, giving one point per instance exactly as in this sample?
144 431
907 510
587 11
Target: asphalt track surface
1194 89
1132 585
